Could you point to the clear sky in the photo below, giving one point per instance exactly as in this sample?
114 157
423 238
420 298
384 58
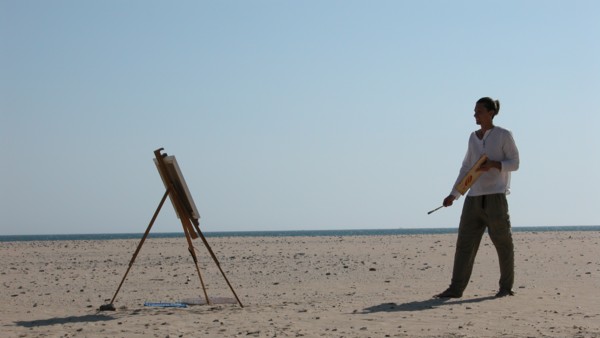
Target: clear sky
290 115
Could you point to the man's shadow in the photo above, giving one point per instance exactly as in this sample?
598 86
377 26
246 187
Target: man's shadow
64 320
422 305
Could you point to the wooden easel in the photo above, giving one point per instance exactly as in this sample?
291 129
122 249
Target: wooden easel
190 223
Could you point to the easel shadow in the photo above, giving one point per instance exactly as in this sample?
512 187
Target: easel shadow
422 305
64 320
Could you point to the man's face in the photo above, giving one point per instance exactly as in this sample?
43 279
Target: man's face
482 115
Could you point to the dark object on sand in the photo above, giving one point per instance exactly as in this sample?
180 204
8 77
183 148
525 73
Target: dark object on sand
107 307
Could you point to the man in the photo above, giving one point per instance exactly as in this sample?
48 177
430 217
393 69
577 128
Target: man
485 205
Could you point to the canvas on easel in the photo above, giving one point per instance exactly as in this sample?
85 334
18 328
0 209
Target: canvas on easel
180 196
185 208
174 175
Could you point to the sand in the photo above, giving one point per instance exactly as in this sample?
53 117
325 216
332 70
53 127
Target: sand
371 286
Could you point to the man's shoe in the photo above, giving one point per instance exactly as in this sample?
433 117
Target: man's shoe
449 293
504 293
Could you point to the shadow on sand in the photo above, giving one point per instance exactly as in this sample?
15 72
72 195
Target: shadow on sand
64 320
421 305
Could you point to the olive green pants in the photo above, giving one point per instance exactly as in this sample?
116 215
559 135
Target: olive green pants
479 213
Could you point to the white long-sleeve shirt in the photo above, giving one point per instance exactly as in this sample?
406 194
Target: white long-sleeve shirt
498 144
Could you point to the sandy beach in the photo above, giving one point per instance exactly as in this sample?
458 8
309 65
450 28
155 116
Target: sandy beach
369 286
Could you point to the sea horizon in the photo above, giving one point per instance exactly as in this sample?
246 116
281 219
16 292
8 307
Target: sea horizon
280 233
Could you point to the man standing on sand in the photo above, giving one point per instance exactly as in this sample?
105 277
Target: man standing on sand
485 205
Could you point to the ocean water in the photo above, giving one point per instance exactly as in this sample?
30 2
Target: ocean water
293 233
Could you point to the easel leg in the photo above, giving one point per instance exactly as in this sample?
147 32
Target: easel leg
195 258
214 257
162 201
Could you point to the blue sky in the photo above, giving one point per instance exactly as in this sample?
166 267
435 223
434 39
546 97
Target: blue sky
290 115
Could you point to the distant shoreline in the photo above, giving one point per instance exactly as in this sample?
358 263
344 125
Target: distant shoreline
281 233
